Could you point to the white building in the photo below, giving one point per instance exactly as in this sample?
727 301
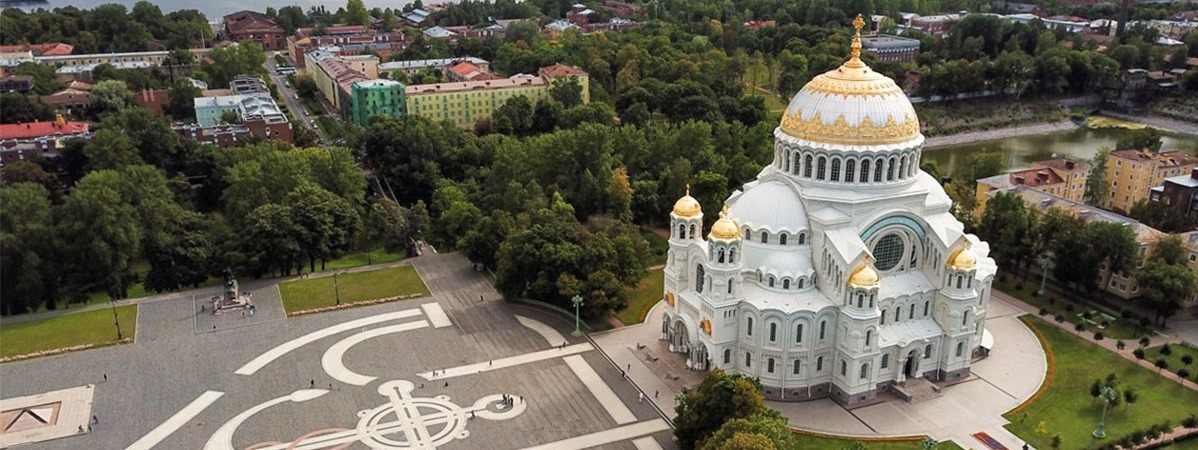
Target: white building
840 270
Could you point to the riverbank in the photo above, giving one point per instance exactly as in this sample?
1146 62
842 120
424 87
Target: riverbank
1030 129
1155 121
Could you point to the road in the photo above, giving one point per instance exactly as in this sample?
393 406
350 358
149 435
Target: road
289 98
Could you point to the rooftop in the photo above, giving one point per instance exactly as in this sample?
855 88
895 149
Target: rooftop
513 81
1043 201
887 41
1168 158
32 130
422 63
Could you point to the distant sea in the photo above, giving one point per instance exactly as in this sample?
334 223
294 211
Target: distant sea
213 9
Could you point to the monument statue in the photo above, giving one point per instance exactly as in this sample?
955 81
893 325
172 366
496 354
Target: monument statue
233 298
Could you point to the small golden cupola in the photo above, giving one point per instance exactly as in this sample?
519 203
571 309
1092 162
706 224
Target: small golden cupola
687 206
963 259
725 228
864 278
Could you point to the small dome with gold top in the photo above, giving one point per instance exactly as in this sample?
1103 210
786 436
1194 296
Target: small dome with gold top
963 260
865 277
852 105
687 206
725 228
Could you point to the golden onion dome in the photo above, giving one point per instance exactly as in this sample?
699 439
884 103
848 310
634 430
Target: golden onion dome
963 260
687 206
852 105
864 278
725 228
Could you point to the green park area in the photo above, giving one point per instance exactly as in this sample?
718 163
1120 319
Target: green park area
1066 408
806 441
1175 356
355 287
641 298
1065 305
95 328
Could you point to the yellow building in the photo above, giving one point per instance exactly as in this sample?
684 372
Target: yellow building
464 103
1132 173
1059 176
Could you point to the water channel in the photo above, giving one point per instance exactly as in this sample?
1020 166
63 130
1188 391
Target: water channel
1081 143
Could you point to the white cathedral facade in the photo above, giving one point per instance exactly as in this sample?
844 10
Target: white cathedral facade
840 270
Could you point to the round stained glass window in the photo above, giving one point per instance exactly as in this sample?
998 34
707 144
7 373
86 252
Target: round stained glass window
888 252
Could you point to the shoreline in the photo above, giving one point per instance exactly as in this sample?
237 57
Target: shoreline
999 133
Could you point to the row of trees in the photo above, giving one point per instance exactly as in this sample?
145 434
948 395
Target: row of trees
106 28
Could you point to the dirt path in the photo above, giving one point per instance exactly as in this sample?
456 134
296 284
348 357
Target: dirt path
1000 133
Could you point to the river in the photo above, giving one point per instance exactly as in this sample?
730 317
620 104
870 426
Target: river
1081 143
215 9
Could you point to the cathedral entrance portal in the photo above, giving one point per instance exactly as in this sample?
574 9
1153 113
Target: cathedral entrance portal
911 368
679 338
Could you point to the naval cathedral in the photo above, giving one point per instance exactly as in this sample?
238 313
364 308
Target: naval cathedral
840 270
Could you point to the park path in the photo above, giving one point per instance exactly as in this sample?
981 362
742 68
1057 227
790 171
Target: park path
1109 344
245 284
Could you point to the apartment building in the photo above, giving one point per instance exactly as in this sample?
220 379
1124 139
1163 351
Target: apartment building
1133 173
1061 177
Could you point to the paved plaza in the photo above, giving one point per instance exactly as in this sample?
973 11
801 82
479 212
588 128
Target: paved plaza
1011 374
447 371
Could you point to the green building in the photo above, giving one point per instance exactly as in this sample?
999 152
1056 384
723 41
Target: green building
375 98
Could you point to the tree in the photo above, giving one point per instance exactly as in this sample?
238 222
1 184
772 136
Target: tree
110 96
182 100
718 399
327 223
45 79
105 233
152 135
1182 373
769 425
1147 138
514 116
182 256
225 63
270 240
1096 184
1138 353
1161 364
567 91
1164 286
412 152
1130 396
388 225
1009 224
28 242
356 13
21 109
1113 244
1187 359
1162 216
110 149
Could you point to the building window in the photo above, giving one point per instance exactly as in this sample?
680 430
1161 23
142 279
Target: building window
823 325
960 349
835 169
965 318
897 310
926 304
748 359
771 281
765 237
869 335
769 365
883 315
797 366
864 171
782 239
819 173
878 170
802 238
888 252
849 167
844 368
911 312
927 351
864 371
699 278
727 355
786 283
819 364
773 332
807 166
799 333
885 361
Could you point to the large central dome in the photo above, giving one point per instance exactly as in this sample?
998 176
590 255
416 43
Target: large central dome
852 105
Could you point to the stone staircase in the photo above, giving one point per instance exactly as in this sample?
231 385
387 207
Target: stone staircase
916 390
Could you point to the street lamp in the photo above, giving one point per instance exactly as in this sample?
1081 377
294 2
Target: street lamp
336 289
1108 396
577 300
115 319
1043 274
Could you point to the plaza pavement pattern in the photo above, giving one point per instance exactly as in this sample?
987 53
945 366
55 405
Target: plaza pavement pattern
1013 372
448 371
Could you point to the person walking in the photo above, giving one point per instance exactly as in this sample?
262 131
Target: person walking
655 392
312 384
641 397
105 378
95 420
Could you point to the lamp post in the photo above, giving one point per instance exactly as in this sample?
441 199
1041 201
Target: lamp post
116 320
336 289
1043 274
577 300
1108 396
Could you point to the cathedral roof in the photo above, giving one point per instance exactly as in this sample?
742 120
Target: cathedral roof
963 260
771 205
851 105
687 206
725 228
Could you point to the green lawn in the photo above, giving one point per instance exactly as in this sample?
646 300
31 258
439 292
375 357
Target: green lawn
806 441
353 287
68 330
1191 444
1067 408
643 297
1174 358
1057 300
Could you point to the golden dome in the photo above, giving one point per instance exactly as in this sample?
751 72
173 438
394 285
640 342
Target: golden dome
687 206
725 228
865 278
963 260
852 105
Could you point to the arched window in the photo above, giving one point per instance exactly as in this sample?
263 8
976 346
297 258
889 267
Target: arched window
732 255
749 326
927 351
819 364
965 318
871 300
903 168
765 237
959 280
823 325
960 349
786 283
849 169
926 304
771 281
773 332
748 359
885 361
801 283
720 252
835 169
864 171
794 156
802 238
897 311
692 232
799 333
797 366
844 368
699 278
890 168
869 336
864 371
884 312
769 365
821 168
681 231
807 166
782 239
878 165
729 285
911 312
747 236
860 300
727 355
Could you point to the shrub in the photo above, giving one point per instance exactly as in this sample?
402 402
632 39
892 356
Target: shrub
1052 300
1125 313
1144 341
1080 327
1043 311
1145 322
1105 324
1098 335
1183 373
1120 344
1059 318
1018 286
1069 307
1187 359
1138 353
1190 422
1087 315
1166 350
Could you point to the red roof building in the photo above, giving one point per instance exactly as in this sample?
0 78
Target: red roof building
20 141
50 49
250 26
